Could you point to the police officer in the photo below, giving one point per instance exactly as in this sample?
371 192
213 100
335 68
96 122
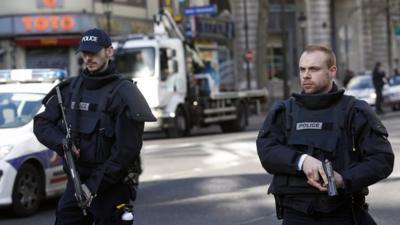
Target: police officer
106 114
318 124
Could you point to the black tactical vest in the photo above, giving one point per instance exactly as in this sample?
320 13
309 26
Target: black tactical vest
92 126
322 133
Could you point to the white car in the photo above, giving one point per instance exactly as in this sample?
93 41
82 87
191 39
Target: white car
29 171
361 87
391 96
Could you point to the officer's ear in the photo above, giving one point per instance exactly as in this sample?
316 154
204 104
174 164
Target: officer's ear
332 71
110 51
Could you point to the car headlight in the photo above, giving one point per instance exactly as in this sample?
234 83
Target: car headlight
4 150
372 95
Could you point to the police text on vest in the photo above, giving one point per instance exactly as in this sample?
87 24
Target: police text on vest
309 126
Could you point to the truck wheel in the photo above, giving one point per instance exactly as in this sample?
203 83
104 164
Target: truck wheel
28 191
180 126
237 125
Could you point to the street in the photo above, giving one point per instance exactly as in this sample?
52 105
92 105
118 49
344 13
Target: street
217 179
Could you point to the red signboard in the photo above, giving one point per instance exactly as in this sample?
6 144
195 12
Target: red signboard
249 55
44 23
47 41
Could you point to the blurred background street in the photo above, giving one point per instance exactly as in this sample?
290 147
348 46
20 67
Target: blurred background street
210 70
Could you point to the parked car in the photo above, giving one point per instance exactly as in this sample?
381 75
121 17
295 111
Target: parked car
391 96
29 171
361 87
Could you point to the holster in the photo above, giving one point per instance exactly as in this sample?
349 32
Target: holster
278 206
132 180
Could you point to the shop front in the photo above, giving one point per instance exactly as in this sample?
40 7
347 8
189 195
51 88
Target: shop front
42 41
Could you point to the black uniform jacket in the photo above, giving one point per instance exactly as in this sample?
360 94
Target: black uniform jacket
368 132
125 135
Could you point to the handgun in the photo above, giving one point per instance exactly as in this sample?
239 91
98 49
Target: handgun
327 165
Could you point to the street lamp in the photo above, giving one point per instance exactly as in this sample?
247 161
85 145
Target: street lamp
107 10
246 40
302 19
286 91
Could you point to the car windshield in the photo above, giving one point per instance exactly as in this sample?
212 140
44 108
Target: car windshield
394 81
136 62
360 83
18 109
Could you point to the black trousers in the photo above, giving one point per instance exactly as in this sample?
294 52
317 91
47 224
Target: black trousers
378 100
293 217
101 212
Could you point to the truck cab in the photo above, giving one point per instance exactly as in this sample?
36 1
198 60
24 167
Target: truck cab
157 67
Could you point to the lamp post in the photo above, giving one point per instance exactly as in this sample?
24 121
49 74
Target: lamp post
389 36
107 11
246 43
286 90
302 19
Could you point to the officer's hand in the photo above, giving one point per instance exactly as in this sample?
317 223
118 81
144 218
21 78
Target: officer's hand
69 146
76 152
314 171
339 180
66 144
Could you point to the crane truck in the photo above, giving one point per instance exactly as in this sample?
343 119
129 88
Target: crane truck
169 72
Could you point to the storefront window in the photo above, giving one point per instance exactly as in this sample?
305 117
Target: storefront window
47 58
275 63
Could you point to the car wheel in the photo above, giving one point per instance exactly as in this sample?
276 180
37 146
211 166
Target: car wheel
180 126
27 191
239 124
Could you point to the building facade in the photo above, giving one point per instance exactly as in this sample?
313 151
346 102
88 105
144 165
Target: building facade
362 32
46 33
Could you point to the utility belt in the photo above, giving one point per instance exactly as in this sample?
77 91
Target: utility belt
321 204
85 170
291 184
294 192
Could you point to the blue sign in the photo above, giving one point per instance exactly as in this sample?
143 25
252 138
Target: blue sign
201 10
188 30
212 28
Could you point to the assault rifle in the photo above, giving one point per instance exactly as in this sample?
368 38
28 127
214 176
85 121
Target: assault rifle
79 192
332 191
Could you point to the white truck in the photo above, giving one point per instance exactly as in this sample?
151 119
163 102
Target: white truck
181 95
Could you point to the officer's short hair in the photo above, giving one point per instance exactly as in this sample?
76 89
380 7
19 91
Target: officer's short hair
331 57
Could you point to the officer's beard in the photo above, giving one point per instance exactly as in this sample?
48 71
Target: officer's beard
102 68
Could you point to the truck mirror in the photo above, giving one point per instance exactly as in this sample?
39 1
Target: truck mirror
172 66
171 69
170 53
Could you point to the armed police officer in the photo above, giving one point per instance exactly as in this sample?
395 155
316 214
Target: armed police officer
106 115
320 125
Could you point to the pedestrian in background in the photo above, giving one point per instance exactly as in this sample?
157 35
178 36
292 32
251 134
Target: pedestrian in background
319 124
396 72
106 114
378 79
